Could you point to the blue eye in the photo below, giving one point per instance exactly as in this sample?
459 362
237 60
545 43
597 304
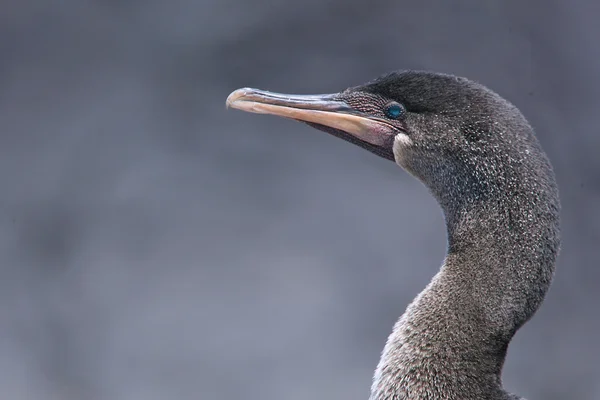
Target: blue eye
394 110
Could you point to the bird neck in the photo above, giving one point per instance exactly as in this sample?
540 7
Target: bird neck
451 342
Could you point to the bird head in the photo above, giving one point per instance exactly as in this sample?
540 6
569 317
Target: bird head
451 133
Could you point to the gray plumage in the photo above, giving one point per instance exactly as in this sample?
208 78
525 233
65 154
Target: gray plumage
480 159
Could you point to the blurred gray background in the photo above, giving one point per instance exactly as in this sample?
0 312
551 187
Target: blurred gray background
157 246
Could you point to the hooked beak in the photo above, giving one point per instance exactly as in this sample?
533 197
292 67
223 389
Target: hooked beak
326 110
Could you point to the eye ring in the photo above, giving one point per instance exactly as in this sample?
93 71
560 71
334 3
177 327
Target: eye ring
394 110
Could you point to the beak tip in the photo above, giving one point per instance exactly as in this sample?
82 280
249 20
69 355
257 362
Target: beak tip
235 96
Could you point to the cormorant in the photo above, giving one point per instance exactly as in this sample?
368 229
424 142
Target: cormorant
479 158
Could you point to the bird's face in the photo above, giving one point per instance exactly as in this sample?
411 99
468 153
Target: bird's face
433 125
368 120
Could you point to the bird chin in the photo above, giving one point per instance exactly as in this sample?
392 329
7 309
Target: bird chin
385 151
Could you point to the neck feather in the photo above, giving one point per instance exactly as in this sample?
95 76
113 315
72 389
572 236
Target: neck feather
451 342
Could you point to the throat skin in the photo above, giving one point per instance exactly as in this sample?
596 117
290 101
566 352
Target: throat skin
451 342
